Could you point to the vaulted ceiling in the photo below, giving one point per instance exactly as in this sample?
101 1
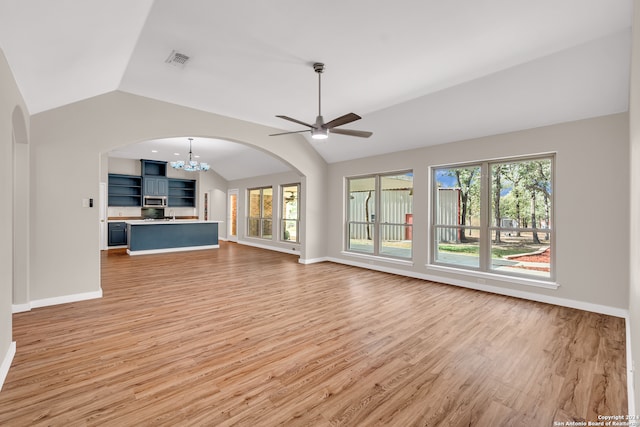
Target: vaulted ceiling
419 72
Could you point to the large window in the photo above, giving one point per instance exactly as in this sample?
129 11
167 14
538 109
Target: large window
380 214
260 213
290 196
495 216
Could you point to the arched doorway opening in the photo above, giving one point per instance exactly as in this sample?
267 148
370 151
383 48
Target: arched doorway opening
234 166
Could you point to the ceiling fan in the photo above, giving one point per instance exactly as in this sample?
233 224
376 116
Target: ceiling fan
320 129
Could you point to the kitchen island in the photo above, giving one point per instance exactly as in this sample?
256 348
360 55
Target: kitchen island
159 236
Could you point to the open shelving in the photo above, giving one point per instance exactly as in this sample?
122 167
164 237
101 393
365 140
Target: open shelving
125 190
182 193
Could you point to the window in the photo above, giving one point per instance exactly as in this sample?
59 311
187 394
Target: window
495 217
457 216
290 196
389 233
361 205
260 213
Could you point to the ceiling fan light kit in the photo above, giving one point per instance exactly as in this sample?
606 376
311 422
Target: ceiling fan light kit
319 133
320 129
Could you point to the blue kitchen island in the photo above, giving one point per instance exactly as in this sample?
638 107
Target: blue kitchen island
153 237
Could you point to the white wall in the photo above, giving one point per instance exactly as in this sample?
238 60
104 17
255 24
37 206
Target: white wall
21 239
124 166
591 208
216 187
634 224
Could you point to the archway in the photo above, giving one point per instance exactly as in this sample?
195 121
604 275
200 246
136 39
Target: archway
233 164
90 128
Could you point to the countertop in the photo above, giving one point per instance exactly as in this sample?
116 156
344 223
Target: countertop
139 218
168 222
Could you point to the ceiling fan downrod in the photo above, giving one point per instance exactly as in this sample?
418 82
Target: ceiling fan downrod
318 67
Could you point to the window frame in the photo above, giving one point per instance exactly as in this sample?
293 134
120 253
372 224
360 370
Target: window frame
435 227
376 223
283 220
261 219
486 228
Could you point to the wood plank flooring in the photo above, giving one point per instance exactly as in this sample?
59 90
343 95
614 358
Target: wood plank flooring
248 337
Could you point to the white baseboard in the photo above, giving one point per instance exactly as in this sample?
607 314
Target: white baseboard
6 363
20 308
290 250
45 302
630 368
312 260
169 250
563 302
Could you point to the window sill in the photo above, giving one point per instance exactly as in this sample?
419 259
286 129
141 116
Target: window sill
408 263
497 277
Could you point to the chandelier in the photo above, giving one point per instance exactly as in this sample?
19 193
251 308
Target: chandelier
191 165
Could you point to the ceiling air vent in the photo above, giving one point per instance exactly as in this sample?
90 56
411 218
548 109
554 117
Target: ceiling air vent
177 59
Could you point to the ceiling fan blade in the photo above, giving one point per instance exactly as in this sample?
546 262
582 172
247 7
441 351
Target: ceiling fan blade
351 132
296 121
342 120
287 133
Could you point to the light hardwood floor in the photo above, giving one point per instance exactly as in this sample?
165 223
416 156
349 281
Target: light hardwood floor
248 337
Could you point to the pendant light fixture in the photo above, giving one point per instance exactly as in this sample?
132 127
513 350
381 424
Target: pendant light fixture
191 165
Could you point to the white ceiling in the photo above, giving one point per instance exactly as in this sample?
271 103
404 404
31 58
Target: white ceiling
419 72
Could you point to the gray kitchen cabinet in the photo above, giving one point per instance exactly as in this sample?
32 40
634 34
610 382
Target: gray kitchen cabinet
155 186
117 233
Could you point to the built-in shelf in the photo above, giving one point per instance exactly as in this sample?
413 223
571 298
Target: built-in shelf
182 193
125 190
153 168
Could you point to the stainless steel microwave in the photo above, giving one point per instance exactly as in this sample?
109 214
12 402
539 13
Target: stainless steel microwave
154 202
